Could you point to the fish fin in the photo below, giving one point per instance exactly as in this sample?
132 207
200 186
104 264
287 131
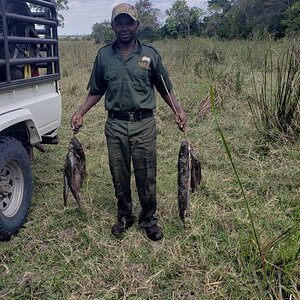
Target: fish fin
76 195
196 172
66 190
78 199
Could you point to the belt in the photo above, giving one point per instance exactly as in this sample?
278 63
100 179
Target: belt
124 115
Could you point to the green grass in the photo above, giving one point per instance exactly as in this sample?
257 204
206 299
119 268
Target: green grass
65 253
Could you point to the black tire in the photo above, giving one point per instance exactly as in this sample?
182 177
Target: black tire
15 186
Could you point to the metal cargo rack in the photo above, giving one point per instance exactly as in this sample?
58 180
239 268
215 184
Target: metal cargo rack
43 39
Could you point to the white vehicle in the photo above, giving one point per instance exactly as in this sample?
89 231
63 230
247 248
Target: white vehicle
30 102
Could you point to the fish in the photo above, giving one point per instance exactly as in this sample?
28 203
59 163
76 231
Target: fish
195 171
74 171
189 177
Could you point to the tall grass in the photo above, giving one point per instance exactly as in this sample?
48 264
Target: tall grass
277 257
276 100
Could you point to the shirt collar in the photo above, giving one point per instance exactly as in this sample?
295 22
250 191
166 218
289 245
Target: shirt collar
137 47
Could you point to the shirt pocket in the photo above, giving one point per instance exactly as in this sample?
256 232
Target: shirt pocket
141 81
113 84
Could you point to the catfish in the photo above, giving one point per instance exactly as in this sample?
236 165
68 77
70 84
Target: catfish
74 171
189 177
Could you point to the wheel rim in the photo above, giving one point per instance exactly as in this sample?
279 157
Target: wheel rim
11 188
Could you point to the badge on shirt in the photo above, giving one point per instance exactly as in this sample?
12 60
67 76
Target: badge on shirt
145 62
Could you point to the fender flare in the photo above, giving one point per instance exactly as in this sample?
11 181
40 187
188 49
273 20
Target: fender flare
18 116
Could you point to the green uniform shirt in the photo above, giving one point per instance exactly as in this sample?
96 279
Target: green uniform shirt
128 83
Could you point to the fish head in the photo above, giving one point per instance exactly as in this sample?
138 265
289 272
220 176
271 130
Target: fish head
184 148
76 147
74 143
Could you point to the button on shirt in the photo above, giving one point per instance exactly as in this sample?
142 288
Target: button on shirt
128 84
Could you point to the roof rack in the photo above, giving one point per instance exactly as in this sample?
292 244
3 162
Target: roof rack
23 45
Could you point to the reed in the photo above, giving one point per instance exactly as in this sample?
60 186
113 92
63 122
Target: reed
274 104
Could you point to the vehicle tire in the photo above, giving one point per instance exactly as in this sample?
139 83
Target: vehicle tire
15 186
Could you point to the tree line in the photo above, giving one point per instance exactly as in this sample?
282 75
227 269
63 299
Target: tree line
248 18
222 18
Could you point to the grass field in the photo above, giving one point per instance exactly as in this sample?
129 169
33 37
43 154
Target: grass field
66 253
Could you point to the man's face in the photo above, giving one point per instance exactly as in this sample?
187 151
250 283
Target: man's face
125 28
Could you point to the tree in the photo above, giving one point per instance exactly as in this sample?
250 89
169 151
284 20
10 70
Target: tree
196 23
219 6
148 17
267 16
219 22
61 5
177 22
181 18
102 32
292 18
247 18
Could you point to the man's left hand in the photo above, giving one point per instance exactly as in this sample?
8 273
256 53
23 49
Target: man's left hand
181 120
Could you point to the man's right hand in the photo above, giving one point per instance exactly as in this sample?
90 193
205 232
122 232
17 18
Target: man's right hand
76 122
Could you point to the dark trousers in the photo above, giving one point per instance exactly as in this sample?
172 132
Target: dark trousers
133 141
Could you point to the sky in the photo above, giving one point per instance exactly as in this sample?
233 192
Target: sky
82 15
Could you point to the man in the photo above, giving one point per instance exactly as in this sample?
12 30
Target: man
127 71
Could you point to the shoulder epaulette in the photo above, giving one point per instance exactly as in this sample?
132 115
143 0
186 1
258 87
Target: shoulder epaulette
150 46
105 46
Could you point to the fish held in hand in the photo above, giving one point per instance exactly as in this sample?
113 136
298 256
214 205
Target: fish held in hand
189 177
74 170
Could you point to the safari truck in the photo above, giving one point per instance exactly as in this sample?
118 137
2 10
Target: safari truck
30 101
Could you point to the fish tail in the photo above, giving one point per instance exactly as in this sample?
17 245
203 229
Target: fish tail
76 196
78 199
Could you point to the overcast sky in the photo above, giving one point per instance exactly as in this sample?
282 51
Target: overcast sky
82 15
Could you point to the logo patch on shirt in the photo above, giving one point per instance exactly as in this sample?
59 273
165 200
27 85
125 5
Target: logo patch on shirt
145 62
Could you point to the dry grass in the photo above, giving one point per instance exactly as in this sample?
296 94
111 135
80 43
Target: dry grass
70 254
